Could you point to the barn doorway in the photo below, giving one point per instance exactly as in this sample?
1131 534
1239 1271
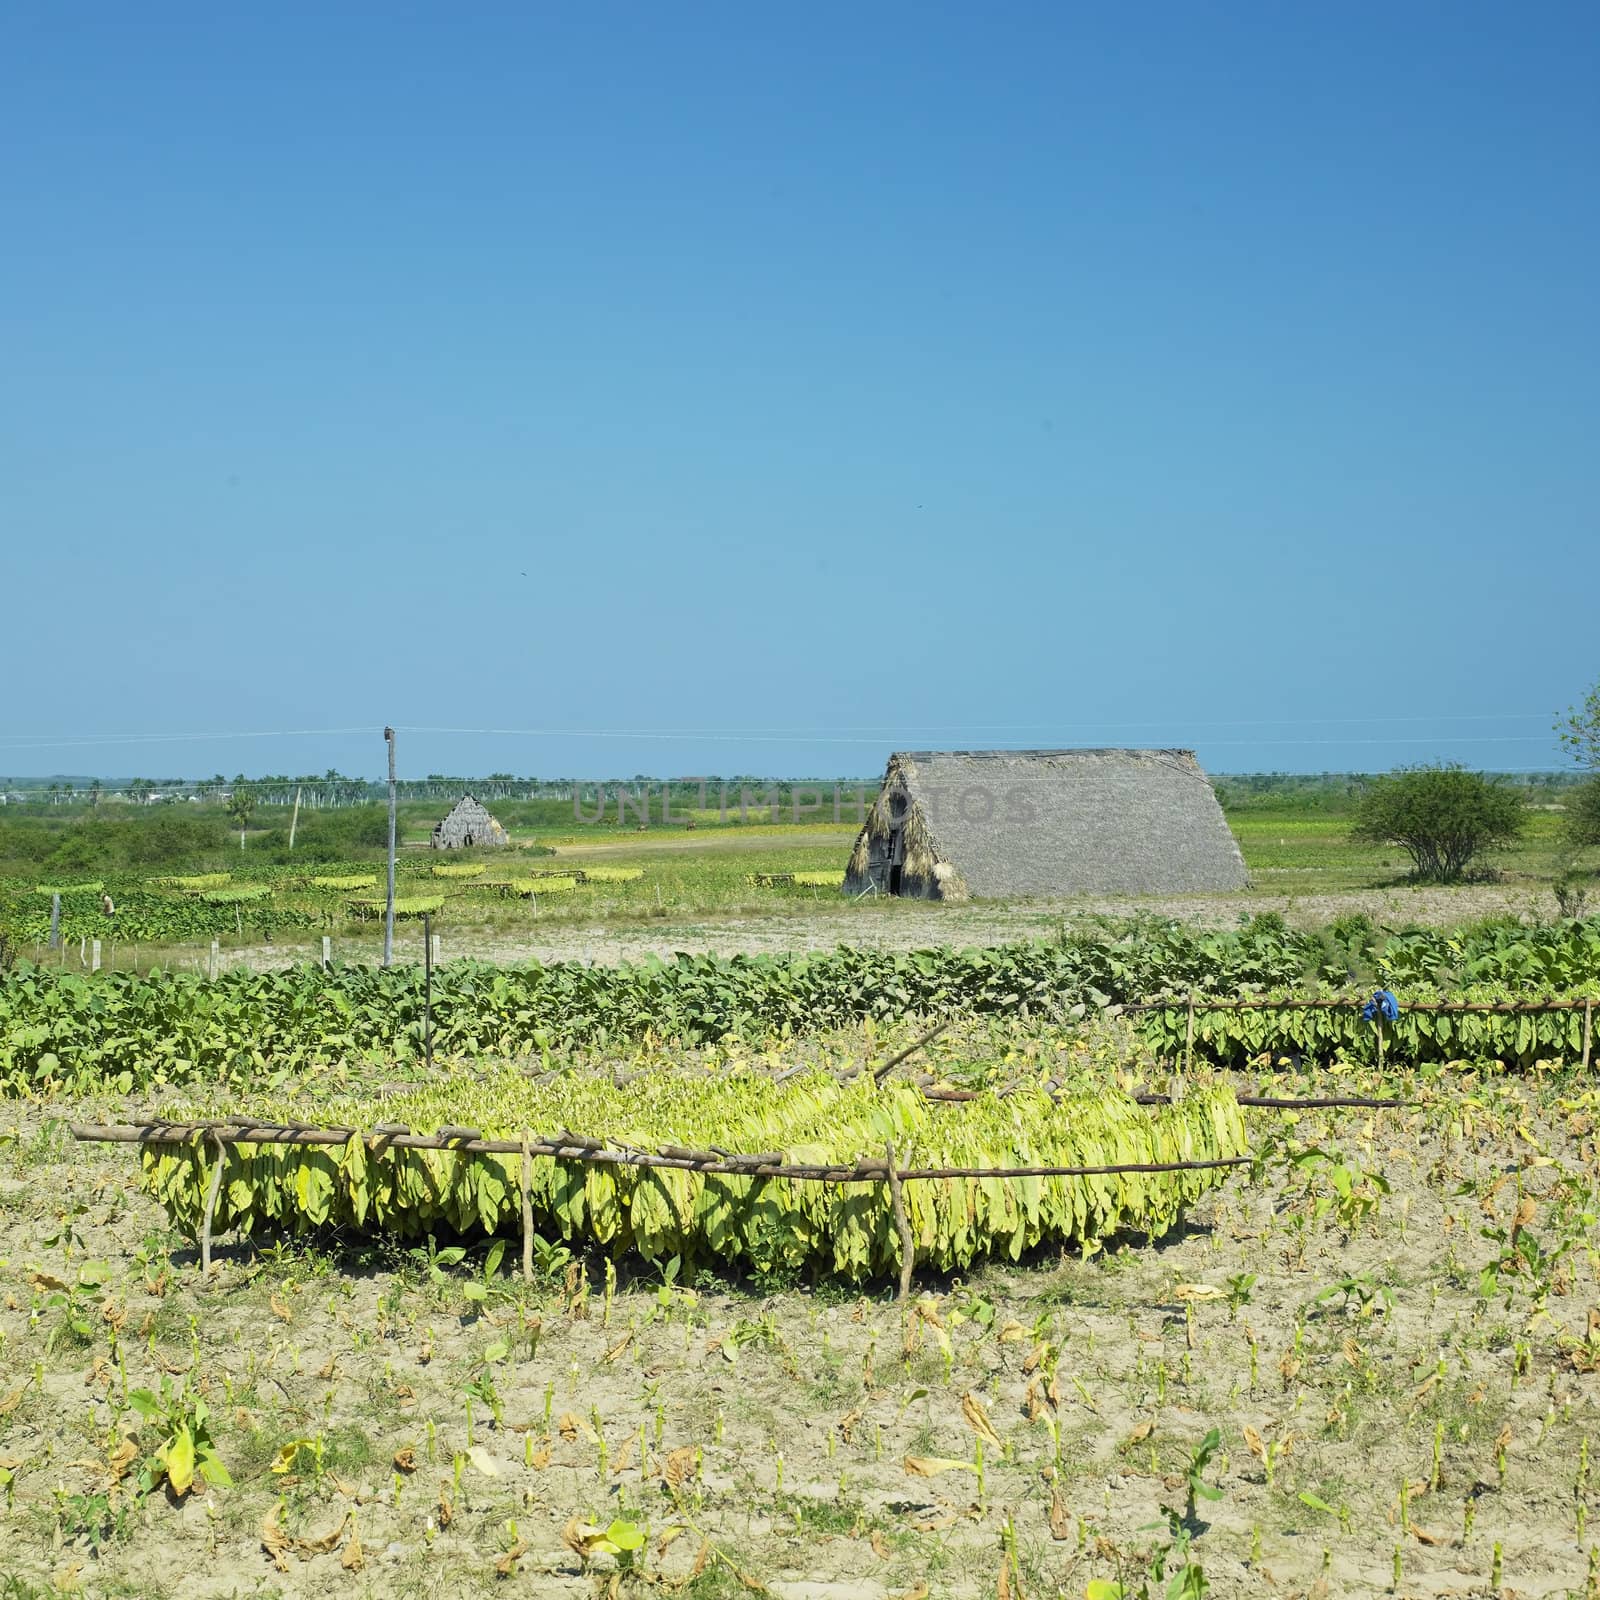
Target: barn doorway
896 853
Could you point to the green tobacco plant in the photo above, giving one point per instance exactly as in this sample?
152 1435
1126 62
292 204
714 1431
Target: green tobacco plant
61 1029
1355 1195
79 1300
1174 1572
1363 1288
185 1450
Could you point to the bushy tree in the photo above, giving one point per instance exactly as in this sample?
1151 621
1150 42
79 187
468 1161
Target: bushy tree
1442 816
1582 821
1579 731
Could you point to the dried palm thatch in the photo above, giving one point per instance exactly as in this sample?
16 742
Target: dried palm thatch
896 833
468 824
1012 823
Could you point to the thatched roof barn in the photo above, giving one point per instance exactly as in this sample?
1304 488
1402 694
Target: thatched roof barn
468 824
950 824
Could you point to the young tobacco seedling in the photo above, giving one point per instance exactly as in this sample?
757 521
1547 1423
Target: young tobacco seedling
185 1449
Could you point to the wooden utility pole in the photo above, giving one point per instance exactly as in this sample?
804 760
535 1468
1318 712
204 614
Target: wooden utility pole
388 914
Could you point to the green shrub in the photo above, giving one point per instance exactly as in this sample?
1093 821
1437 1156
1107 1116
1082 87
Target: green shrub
1581 825
1442 816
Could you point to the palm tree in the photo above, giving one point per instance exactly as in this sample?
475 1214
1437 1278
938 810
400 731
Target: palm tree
241 807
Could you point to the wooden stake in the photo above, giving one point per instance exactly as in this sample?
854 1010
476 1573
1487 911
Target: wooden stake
1588 1028
94 956
388 912
1188 1036
527 1208
211 1205
427 988
897 1201
294 821
327 951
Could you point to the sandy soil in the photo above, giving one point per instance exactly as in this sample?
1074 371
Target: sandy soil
772 1428
824 922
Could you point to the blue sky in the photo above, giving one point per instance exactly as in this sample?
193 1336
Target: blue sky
761 389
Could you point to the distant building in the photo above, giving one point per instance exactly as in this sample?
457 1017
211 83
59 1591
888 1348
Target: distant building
1007 824
469 825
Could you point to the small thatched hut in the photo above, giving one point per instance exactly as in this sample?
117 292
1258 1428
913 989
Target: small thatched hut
468 824
947 825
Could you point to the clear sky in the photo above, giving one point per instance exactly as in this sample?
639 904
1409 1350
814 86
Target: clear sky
768 387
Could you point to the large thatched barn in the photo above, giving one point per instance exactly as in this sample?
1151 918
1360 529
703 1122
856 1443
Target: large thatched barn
1009 823
468 824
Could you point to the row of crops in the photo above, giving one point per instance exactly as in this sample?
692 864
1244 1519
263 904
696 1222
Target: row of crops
770 1223
59 1028
275 903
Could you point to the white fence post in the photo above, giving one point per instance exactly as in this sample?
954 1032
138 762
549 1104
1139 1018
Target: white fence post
327 951
94 956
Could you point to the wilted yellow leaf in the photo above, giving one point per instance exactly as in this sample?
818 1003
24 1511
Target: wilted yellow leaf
932 1466
1060 1517
583 1538
354 1557
978 1420
324 1543
287 1454
275 1541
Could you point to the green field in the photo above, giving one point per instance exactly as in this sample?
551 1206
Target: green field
699 886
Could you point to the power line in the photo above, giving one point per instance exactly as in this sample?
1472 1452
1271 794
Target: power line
834 735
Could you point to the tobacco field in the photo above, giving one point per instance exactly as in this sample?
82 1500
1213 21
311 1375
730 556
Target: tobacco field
1366 1361
65 1029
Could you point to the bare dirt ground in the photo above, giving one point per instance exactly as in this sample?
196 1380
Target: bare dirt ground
1382 1409
825 921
